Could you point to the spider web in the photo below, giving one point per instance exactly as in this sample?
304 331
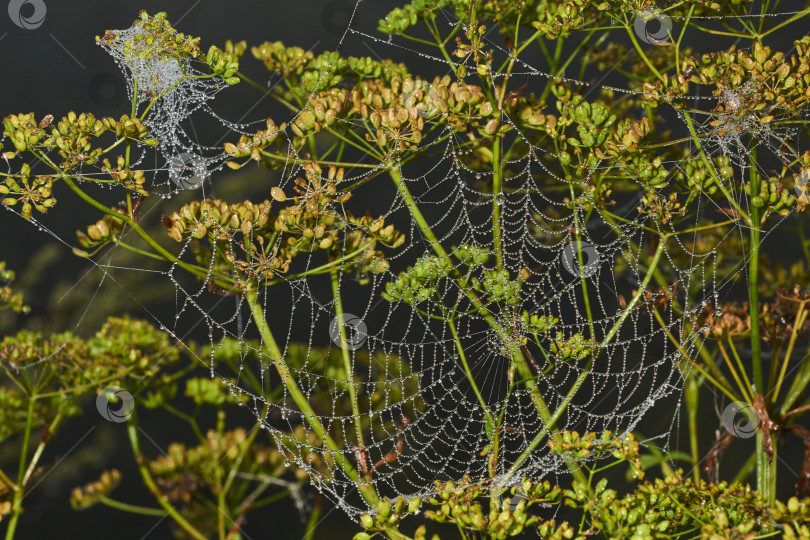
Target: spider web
396 391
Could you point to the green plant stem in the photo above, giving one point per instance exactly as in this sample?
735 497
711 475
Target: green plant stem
470 377
137 228
745 470
738 360
497 197
219 491
801 317
347 361
244 447
641 53
16 505
719 181
143 468
131 508
798 386
491 423
767 475
720 382
515 353
312 523
753 280
269 343
581 378
584 284
270 499
764 481
692 400
421 222
745 390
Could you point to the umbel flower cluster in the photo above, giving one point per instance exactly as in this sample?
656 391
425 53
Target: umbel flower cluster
561 162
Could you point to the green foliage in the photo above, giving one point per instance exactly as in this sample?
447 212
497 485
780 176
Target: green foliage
8 298
668 507
600 147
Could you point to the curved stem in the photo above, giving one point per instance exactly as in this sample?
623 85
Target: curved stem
515 353
347 361
143 468
132 508
16 505
143 234
801 317
548 424
366 489
469 374
497 196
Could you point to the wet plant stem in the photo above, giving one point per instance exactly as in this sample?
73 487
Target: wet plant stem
16 504
347 361
269 344
143 468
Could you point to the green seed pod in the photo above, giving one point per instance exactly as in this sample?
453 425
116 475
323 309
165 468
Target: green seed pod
308 119
384 509
582 111
95 232
587 139
19 141
367 521
296 129
793 505
492 126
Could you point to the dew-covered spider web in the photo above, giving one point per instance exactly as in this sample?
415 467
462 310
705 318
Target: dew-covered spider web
449 343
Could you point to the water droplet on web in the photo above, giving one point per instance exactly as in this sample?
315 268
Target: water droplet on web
478 176
286 463
500 199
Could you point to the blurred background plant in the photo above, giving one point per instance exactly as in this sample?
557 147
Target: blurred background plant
704 196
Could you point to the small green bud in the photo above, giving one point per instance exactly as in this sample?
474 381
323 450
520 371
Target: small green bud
793 505
384 508
367 521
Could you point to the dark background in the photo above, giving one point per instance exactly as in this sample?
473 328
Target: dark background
58 67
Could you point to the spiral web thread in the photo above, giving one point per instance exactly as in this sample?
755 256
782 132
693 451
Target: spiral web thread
415 405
